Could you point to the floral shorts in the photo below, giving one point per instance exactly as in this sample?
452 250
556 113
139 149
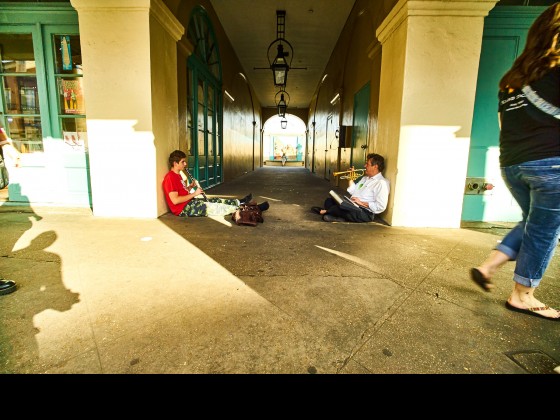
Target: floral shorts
215 206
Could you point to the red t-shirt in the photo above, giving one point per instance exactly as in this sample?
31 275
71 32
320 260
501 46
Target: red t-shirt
174 182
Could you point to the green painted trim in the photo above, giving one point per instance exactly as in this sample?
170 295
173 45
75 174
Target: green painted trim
45 13
211 166
200 16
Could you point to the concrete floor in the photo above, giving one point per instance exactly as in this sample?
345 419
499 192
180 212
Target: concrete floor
293 295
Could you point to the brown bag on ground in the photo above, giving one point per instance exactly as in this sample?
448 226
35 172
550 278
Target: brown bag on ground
248 214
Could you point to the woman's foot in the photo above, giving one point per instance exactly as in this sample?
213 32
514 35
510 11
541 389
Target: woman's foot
482 274
480 278
522 299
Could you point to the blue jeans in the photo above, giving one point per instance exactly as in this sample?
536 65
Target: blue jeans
535 185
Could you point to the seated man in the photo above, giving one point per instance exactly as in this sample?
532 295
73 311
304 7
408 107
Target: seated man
181 201
371 191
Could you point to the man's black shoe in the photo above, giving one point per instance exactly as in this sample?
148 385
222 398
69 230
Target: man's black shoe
329 218
246 199
264 206
7 286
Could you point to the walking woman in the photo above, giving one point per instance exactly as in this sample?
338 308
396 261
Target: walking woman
528 112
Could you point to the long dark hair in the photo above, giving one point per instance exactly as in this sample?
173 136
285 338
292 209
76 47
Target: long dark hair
541 53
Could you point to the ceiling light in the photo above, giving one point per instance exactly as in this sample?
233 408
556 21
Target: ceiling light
229 96
280 67
280 64
281 104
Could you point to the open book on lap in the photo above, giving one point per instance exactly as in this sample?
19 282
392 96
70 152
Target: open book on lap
345 199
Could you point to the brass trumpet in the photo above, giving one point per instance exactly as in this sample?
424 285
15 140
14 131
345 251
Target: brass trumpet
352 174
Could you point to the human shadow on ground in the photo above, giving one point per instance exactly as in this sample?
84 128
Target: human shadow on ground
37 273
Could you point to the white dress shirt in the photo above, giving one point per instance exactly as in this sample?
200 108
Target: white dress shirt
374 190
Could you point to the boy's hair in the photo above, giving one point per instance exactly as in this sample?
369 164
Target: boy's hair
175 157
378 160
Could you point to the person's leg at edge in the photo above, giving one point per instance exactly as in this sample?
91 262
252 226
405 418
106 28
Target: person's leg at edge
540 236
509 247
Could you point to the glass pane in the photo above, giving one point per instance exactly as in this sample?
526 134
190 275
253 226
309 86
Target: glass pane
70 96
210 103
211 137
210 107
201 143
200 117
68 54
74 132
20 93
189 112
210 123
210 147
16 53
26 133
200 98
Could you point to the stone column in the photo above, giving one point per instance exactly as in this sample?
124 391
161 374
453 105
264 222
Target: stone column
129 53
429 68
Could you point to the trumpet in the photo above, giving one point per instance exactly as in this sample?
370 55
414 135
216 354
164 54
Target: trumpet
352 174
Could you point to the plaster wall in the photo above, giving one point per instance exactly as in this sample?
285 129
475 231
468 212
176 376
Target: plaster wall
390 108
428 83
119 55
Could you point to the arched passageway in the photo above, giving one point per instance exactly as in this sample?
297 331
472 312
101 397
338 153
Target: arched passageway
284 136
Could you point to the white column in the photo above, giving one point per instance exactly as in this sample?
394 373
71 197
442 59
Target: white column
429 67
129 55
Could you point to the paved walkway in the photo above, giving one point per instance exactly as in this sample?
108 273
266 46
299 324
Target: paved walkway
292 295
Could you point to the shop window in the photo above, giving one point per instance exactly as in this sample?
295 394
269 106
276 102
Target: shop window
20 105
24 89
69 82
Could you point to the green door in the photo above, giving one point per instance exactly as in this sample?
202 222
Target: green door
505 31
204 102
360 128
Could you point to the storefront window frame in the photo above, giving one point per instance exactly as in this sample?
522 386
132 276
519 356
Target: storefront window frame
42 21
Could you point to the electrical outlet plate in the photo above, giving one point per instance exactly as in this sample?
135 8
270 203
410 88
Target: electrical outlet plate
477 186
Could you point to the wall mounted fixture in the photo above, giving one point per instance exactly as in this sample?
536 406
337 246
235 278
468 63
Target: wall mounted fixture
476 186
284 124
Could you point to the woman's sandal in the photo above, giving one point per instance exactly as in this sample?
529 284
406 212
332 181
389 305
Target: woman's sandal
532 311
482 281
